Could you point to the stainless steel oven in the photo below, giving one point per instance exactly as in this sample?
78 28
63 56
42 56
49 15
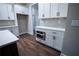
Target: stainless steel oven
41 35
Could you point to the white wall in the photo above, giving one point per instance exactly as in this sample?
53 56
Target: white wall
30 22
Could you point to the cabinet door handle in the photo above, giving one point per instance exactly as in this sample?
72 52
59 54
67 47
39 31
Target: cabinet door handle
8 17
54 37
58 13
54 32
43 15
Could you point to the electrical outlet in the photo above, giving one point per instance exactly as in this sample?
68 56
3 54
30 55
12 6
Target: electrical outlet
75 23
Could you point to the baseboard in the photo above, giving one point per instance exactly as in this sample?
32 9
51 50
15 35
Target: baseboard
30 33
49 47
23 33
62 54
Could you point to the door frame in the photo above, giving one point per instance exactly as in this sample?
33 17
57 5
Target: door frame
17 20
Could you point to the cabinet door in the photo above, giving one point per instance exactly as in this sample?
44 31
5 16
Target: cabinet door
58 41
21 9
49 40
63 9
54 9
44 10
41 10
3 12
11 12
17 8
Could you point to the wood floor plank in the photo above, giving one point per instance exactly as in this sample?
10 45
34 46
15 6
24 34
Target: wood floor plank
28 46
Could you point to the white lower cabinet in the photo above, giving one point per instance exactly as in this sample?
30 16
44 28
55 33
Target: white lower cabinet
58 41
49 42
54 39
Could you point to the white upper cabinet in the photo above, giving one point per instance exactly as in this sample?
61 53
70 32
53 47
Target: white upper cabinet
11 12
6 12
59 9
3 12
44 10
21 9
63 9
53 10
41 10
47 10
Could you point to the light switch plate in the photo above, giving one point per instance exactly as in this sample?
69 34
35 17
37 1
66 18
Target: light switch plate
75 23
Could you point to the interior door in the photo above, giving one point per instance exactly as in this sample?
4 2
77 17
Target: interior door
22 23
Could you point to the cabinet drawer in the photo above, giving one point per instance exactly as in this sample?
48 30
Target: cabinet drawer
51 32
49 42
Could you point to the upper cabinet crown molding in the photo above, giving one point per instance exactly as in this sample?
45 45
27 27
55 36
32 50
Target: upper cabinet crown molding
53 10
6 12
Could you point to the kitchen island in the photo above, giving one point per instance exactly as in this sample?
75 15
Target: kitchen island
8 46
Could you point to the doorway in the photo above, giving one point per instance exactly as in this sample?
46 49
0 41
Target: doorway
22 23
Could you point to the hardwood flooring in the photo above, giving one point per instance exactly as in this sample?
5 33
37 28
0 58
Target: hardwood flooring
28 46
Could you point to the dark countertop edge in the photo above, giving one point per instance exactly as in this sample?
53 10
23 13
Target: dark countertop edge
8 43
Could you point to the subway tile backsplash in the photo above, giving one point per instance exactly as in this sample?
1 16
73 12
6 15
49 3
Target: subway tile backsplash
7 22
59 23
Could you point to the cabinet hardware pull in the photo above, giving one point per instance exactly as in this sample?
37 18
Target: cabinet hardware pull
43 15
54 32
8 17
54 37
58 13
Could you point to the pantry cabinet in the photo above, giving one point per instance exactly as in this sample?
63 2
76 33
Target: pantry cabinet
53 10
6 12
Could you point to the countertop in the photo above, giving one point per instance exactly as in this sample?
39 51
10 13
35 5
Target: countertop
6 26
6 37
51 28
